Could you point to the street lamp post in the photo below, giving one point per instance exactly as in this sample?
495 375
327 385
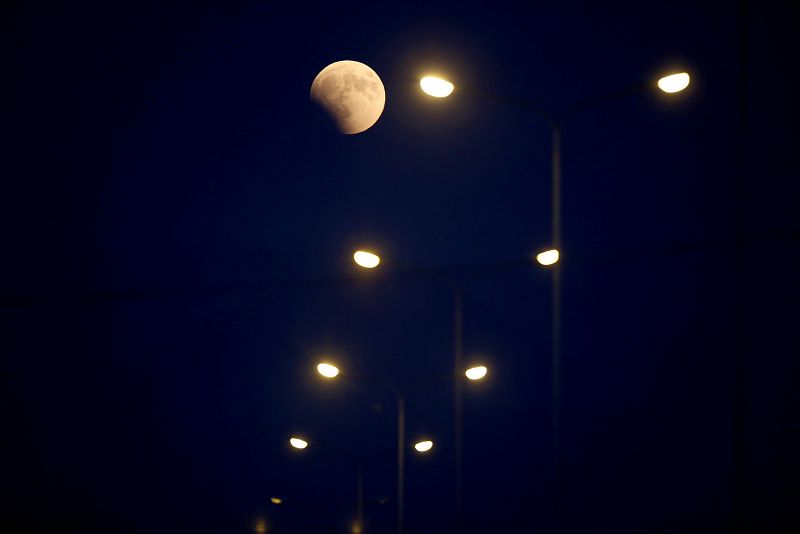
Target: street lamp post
669 84
302 444
360 499
439 88
331 371
458 316
369 260
401 459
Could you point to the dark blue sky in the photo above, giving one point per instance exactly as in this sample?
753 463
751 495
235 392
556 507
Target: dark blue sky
178 221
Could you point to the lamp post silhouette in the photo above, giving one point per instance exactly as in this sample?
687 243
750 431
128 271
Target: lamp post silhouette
440 88
330 371
369 261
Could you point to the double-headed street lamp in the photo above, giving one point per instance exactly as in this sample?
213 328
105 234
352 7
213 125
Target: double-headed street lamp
671 83
299 443
330 371
370 260
281 500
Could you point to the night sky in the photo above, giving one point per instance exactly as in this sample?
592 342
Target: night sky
177 222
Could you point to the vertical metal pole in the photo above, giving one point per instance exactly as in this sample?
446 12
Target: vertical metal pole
740 478
360 504
401 430
457 405
556 324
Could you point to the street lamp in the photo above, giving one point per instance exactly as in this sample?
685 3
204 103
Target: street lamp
298 443
436 87
548 257
422 446
366 259
337 455
430 84
671 83
327 370
476 373
674 83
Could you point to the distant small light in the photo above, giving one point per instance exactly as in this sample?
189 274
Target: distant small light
548 257
327 370
437 87
674 82
423 446
298 443
365 259
275 500
476 373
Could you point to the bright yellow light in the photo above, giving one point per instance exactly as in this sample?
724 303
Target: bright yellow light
356 528
476 373
327 370
548 257
674 82
298 443
366 259
436 86
424 446
275 500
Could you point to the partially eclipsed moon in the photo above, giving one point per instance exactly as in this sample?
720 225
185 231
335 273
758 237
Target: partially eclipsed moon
351 93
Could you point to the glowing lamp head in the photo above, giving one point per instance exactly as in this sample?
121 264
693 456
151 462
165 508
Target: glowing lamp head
275 500
298 443
548 257
365 259
423 446
437 87
476 373
674 82
327 370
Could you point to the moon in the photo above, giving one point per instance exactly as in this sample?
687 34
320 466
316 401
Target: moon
351 93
